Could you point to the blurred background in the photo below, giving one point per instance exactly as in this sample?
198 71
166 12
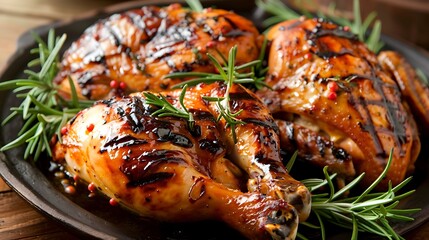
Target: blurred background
402 19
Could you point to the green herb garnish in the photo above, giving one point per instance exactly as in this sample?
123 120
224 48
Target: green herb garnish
368 212
229 74
282 12
43 110
168 109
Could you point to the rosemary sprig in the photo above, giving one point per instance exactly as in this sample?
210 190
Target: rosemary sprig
368 212
223 103
195 5
252 74
229 74
282 12
43 110
169 110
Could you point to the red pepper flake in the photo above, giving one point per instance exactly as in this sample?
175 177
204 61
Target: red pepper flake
114 84
75 178
211 44
64 130
92 187
332 95
346 28
332 86
70 189
113 202
308 56
224 30
122 85
90 127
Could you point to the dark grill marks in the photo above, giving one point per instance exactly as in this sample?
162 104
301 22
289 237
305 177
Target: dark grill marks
144 169
268 123
166 135
211 145
313 38
395 117
121 141
170 34
361 105
330 54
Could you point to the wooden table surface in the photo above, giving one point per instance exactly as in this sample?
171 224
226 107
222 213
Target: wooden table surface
18 219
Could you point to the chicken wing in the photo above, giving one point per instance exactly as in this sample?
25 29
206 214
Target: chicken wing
166 169
328 79
134 50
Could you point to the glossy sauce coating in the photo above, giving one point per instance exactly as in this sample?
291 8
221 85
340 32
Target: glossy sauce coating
134 50
159 167
365 117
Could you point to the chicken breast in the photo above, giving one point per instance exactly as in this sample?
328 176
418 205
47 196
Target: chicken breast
323 76
134 50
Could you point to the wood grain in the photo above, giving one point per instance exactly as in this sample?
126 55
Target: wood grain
18 220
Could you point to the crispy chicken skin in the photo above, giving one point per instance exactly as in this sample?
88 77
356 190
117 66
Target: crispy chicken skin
165 169
316 149
414 91
139 47
365 116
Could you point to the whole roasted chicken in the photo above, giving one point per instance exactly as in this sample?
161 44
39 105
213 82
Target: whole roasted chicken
134 51
174 170
338 105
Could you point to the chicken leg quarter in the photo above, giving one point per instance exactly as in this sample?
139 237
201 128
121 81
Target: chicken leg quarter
165 169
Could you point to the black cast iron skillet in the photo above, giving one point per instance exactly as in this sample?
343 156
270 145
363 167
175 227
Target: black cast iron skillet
95 217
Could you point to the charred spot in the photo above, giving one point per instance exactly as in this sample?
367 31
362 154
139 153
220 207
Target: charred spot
144 169
202 115
195 130
165 134
121 141
241 96
211 145
153 178
235 33
268 123
340 154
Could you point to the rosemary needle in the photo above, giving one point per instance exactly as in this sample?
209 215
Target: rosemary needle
368 212
229 74
169 110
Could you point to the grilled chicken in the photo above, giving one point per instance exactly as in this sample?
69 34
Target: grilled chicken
133 51
325 78
170 170
318 150
414 92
